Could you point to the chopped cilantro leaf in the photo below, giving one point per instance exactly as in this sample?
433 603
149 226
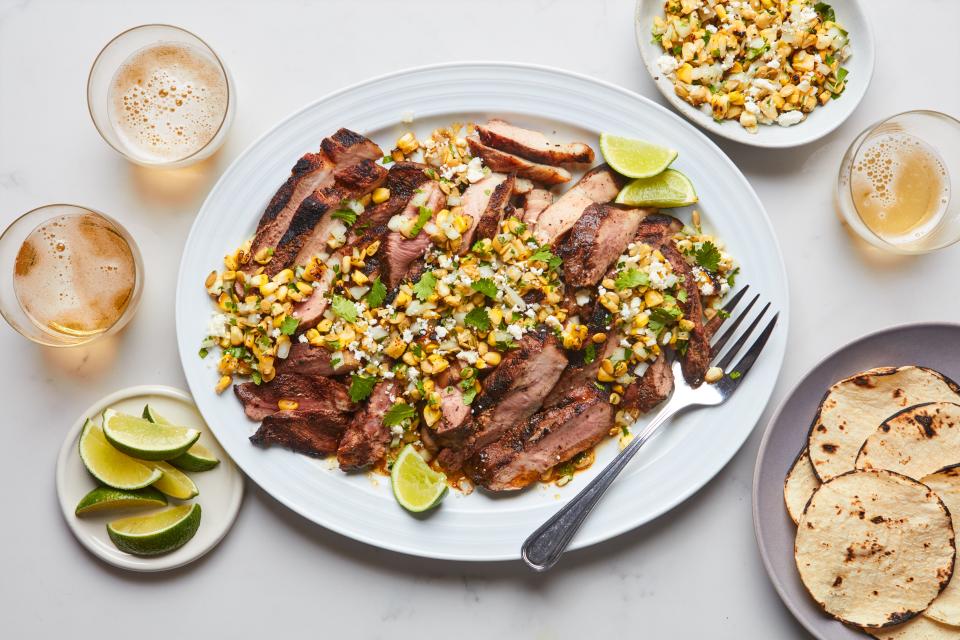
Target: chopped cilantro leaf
478 319
397 414
486 286
734 375
376 295
469 395
590 353
344 308
660 317
425 286
289 325
256 377
732 278
543 254
825 12
423 217
708 256
417 350
682 295
349 217
630 278
361 387
203 352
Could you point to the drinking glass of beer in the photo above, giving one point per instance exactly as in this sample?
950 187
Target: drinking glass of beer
897 179
69 275
160 96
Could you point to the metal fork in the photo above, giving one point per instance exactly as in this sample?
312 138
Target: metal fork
544 547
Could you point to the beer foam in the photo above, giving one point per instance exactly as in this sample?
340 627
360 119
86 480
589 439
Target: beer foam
167 101
881 163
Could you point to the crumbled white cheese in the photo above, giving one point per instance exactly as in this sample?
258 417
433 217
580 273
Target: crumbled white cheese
789 118
667 64
217 325
474 170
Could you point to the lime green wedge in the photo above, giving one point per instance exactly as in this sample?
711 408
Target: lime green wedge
156 533
173 482
145 440
416 486
196 458
635 158
111 467
669 189
107 499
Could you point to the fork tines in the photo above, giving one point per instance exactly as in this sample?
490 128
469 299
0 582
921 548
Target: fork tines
748 358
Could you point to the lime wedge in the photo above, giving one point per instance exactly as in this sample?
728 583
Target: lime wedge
145 440
105 499
196 458
156 533
416 486
173 482
669 189
111 467
635 158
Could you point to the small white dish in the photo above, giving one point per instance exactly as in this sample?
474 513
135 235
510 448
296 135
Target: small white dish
821 121
221 488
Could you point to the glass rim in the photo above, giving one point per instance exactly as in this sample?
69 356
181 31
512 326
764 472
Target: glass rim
216 57
853 153
137 262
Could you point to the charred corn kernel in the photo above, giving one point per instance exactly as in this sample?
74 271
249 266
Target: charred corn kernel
345 265
452 300
615 399
269 288
607 365
608 283
268 374
398 318
211 279
231 262
259 280
347 336
599 337
620 369
304 288
564 480
403 299
236 336
437 362
482 347
496 316
312 334
462 222
395 348
429 386
294 295
407 143
653 298
263 255
381 194
284 276
618 388
372 248
411 359
492 358
735 97
359 277
685 73
324 325
224 301
229 276
287 405
721 11
603 376
748 120
223 383
686 325
282 293
431 415
824 97
713 375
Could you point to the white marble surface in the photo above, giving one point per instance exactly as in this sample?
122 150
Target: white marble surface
691 574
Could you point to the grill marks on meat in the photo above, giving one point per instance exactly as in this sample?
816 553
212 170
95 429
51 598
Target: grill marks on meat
366 439
509 163
497 205
475 200
313 433
310 391
600 184
595 241
306 359
696 360
348 147
532 145
546 439
652 388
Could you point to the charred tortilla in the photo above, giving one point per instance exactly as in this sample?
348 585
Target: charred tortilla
854 407
874 548
919 628
915 442
946 608
799 485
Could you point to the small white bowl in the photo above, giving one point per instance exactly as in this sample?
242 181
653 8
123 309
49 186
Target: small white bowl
221 488
820 122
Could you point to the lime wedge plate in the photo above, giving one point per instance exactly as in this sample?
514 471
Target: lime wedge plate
173 482
196 458
145 440
156 533
111 467
635 158
668 189
416 486
106 499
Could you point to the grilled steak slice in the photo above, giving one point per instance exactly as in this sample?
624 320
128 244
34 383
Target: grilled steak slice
454 425
313 433
307 359
311 172
366 440
696 359
534 203
596 240
522 186
509 163
650 389
656 229
532 145
600 184
347 147
400 253
546 439
475 200
579 373
499 203
311 392
312 217
403 181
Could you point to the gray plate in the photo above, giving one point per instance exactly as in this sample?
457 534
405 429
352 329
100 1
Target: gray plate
931 345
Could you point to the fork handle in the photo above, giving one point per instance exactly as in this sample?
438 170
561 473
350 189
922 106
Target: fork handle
544 547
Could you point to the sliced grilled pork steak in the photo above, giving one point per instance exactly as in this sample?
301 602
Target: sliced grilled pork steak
656 229
366 439
600 184
347 147
650 389
546 439
532 145
400 253
474 201
579 373
509 163
497 206
312 217
311 392
696 359
454 425
596 240
403 181
314 432
304 358
534 203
